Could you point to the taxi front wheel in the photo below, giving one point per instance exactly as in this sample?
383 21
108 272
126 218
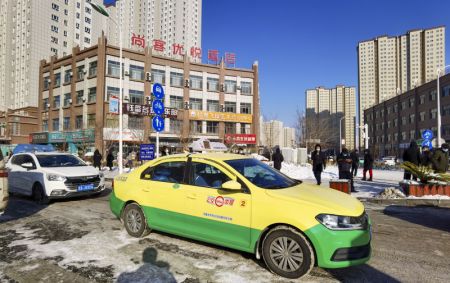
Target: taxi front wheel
287 252
134 221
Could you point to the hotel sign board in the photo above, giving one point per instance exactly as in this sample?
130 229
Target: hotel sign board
220 116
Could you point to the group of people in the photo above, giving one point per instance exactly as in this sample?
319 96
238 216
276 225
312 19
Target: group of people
98 159
436 159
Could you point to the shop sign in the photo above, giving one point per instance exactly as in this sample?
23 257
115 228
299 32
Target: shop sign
112 134
39 137
147 110
87 135
220 116
240 138
146 152
114 105
56 137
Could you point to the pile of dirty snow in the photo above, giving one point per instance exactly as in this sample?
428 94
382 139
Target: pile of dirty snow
391 193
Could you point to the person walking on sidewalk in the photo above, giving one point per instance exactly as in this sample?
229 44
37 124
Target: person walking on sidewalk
355 162
412 154
97 159
368 164
440 159
425 157
109 160
277 159
345 161
318 162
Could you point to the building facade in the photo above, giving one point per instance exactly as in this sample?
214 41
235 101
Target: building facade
219 103
35 30
17 125
388 66
273 133
394 123
289 138
324 110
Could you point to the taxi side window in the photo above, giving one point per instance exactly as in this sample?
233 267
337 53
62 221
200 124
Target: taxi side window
205 175
172 172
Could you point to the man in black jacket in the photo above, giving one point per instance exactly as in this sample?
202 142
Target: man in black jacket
412 154
368 164
318 162
425 157
355 161
344 165
277 159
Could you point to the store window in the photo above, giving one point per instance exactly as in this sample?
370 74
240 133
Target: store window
230 107
246 108
91 120
176 102
196 127
230 86
212 84
79 122
246 88
159 76
212 105
212 127
176 79
136 96
136 72
196 82
196 103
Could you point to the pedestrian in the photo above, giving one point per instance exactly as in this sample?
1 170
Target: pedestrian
440 159
164 151
425 157
277 159
355 161
97 159
368 164
412 154
318 162
130 158
109 160
345 161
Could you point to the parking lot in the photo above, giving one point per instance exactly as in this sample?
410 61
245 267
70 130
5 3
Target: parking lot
81 241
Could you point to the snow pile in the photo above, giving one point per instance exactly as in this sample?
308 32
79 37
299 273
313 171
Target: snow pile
438 197
304 171
391 193
259 157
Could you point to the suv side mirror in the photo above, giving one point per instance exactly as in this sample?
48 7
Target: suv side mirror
27 165
231 186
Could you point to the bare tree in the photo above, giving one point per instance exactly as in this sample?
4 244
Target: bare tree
317 128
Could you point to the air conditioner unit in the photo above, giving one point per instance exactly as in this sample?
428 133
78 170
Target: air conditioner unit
186 105
222 108
126 73
222 87
84 99
70 100
186 83
126 97
48 105
71 73
148 76
238 87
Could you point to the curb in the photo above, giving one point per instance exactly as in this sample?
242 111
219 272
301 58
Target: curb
445 203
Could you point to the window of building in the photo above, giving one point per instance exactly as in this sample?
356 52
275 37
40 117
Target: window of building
91 120
212 105
196 103
80 72
66 123
403 105
176 79
112 91
55 124
395 122
389 110
230 86
412 118
159 76
57 79
230 128
404 136
67 98
55 7
45 104
212 127
212 84
56 101
176 102
446 91
45 125
176 126
196 127
46 83
113 68
93 69
432 95
54 29
246 88
67 76
245 128
412 135
80 97
55 18
87 20
433 113
395 108
230 106
403 120
79 122
136 72
87 30
92 94
422 99
246 108
411 102
196 82
422 116
136 96
112 121
135 122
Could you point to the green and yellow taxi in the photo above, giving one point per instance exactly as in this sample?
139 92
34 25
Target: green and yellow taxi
241 203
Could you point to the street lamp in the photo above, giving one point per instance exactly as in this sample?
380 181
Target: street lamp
102 11
438 143
340 134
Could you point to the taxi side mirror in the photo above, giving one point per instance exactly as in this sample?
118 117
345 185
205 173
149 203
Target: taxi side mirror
231 186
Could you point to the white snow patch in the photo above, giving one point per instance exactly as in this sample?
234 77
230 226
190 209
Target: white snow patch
302 172
29 267
439 197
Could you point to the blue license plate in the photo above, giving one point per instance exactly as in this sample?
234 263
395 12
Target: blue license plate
87 187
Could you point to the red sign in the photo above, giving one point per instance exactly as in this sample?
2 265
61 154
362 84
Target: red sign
138 40
240 138
230 58
196 52
213 55
159 45
177 49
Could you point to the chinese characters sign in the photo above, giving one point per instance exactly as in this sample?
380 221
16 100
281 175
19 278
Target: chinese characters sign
147 110
240 138
220 116
138 40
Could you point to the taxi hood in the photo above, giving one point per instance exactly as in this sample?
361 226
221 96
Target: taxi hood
329 200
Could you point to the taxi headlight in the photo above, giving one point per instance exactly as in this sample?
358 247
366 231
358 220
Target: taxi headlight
54 177
339 222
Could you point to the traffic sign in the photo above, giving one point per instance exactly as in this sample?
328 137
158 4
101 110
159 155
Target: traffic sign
158 107
158 91
158 123
427 134
427 143
146 152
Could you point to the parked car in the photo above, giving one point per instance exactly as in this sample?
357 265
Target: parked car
52 175
389 160
241 203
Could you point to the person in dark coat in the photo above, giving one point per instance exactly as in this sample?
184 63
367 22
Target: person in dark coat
368 164
109 160
440 159
97 159
412 154
345 161
318 163
425 157
277 159
355 161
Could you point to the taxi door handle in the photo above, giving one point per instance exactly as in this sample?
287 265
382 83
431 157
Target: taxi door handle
192 196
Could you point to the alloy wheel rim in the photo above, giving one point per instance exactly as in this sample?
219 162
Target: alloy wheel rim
134 220
286 254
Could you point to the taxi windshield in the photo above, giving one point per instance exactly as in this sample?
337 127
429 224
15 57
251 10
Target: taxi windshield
261 174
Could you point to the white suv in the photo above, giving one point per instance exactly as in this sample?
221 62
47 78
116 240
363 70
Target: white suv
51 175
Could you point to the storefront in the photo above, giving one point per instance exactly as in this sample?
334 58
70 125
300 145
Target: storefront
77 142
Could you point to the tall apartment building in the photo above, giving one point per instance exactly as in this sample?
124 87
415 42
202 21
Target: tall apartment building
289 139
34 30
390 65
324 110
274 133
172 21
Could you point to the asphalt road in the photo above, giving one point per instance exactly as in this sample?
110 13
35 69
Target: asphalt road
81 241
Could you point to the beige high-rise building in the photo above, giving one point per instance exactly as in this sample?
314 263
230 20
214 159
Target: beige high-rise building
324 110
33 30
388 66
273 133
289 137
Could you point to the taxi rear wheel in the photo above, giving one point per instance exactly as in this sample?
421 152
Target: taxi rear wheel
134 221
287 252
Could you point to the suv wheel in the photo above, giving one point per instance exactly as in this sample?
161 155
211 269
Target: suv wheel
287 253
39 195
134 221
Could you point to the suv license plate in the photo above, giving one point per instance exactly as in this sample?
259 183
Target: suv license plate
88 187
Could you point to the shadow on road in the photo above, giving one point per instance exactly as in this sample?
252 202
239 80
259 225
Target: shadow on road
152 271
432 217
20 207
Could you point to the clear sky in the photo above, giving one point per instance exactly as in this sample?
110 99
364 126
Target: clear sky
303 44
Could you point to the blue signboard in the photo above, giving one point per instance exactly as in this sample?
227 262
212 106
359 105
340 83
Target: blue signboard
146 152
108 3
158 91
427 143
114 105
427 135
158 107
158 123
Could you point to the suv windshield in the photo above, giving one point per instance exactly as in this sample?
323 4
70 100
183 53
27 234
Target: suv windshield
261 174
60 160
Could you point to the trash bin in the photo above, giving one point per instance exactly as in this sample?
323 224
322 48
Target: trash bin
342 185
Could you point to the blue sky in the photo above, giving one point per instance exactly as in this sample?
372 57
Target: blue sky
304 44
